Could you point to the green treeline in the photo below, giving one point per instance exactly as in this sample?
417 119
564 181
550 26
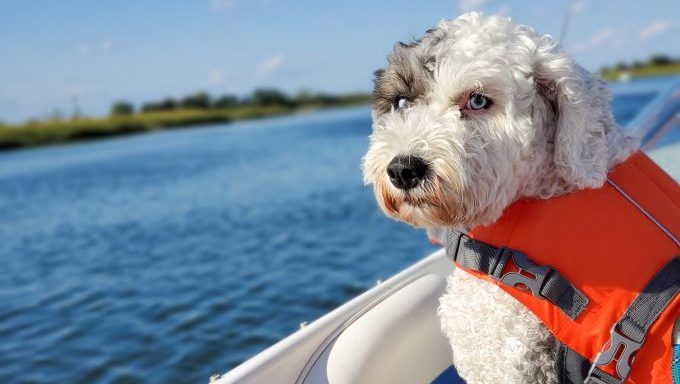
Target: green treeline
195 109
658 65
267 97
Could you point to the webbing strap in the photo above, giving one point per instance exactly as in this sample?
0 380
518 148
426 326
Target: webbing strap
598 376
653 299
545 282
628 334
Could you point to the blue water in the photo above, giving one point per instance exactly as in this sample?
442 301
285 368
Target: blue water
171 256
168 257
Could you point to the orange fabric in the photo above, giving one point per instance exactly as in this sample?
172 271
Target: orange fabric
607 248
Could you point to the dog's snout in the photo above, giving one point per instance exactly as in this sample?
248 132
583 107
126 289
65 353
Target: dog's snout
405 172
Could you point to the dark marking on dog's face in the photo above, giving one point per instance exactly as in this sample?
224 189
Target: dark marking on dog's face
408 74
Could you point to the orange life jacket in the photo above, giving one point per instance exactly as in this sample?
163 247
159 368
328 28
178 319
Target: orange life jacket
604 244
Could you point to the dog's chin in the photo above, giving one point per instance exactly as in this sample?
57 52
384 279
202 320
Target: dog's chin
418 216
419 209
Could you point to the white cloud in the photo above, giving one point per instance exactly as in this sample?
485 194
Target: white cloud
503 10
105 45
578 6
602 36
90 48
84 49
216 76
656 28
221 5
471 5
269 66
606 37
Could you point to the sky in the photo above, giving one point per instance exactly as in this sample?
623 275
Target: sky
55 55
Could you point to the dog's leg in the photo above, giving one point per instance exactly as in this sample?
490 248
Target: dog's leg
494 338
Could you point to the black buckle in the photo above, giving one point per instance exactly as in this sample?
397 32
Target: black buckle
534 283
607 355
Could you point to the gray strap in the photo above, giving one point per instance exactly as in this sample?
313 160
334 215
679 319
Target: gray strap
472 254
546 283
628 334
572 368
649 304
557 289
598 376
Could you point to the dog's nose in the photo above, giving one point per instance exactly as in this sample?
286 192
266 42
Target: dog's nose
405 172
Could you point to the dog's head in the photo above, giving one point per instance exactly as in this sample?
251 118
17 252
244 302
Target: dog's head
477 113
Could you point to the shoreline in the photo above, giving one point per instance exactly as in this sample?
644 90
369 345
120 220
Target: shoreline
55 132
644 71
64 131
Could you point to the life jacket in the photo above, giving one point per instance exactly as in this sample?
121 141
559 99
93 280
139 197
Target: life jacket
589 265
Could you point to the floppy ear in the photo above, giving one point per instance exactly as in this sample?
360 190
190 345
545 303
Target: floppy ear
581 103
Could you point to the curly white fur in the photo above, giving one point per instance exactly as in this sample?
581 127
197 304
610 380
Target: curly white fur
548 132
493 337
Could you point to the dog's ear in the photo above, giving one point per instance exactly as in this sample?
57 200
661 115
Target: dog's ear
581 109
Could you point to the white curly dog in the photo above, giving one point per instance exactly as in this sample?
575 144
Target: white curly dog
479 113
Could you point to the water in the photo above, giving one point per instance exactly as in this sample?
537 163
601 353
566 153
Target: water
170 256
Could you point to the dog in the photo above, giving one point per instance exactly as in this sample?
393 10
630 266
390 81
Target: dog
476 114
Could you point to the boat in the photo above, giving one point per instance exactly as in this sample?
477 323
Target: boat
391 333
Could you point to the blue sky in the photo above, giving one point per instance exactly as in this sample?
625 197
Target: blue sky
101 51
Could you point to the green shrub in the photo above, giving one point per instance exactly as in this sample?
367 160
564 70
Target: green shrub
122 108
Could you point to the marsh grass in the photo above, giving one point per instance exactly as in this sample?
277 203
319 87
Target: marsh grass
642 71
61 131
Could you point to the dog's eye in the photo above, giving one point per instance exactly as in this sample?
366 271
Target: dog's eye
401 102
477 101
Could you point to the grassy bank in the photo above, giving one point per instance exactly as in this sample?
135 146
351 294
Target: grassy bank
658 65
652 70
48 132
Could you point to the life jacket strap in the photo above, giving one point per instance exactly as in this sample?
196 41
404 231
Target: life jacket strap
631 329
544 281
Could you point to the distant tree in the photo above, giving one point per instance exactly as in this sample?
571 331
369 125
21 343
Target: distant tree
226 101
77 113
304 96
168 104
605 69
271 97
56 115
326 99
122 108
200 100
247 100
660 60
622 67
638 64
152 106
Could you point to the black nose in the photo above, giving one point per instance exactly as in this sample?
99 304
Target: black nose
405 172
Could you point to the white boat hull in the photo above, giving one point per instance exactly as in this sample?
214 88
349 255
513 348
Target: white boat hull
389 334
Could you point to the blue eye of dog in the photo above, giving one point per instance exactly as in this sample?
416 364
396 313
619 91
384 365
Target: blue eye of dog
401 103
478 101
